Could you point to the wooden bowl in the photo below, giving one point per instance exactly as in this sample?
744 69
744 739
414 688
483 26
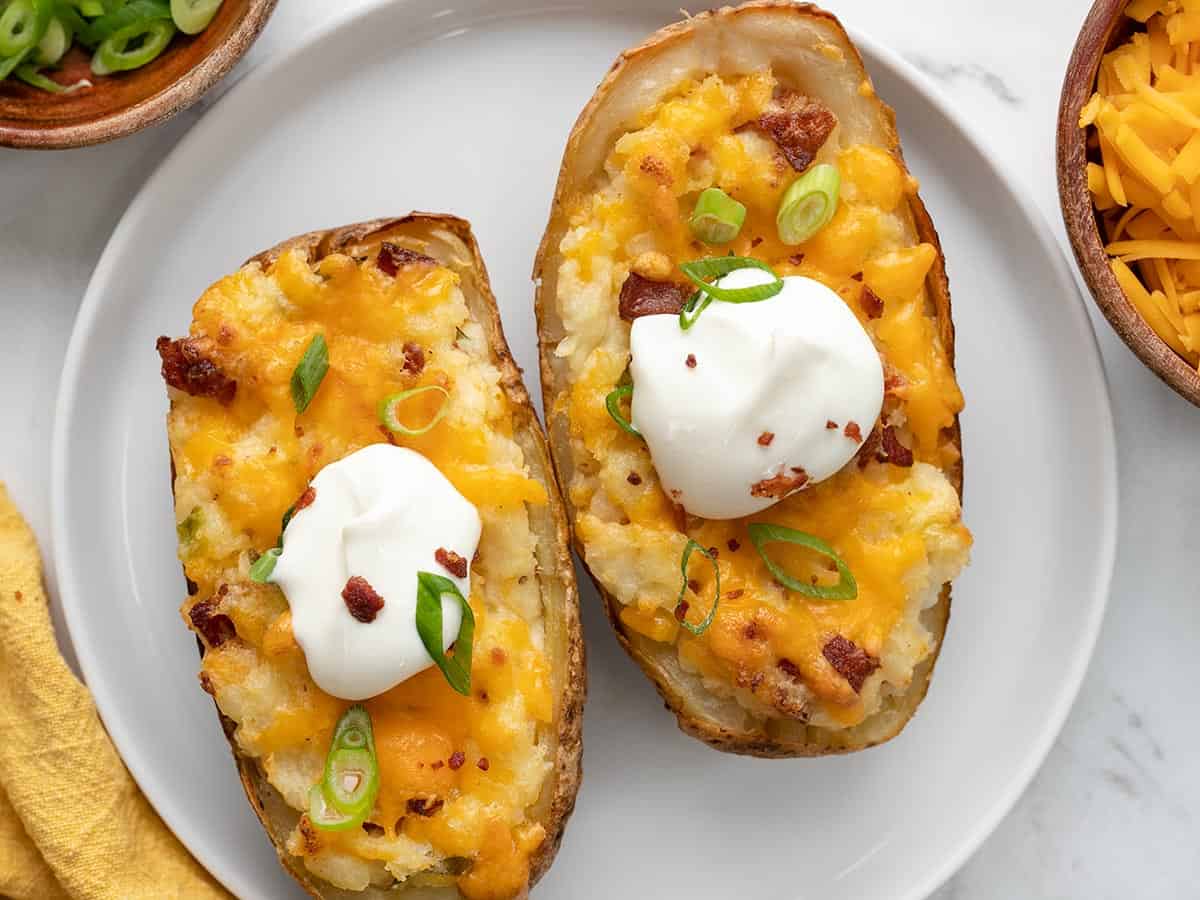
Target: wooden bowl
121 104
1106 25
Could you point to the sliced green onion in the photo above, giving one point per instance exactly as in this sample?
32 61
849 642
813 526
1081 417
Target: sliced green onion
696 304
430 591
309 372
31 76
132 47
325 815
613 404
193 16
808 204
9 63
135 12
717 218
54 43
283 524
683 567
89 8
699 271
388 408
261 568
766 533
353 730
22 25
350 782
186 530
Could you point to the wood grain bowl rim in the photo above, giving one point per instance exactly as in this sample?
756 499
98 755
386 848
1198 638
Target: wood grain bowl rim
176 97
1079 215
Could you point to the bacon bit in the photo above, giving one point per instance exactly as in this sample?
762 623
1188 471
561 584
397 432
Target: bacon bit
372 829
853 431
483 764
633 478
185 367
734 594
714 552
392 258
643 297
450 561
857 276
361 599
869 449
681 610
894 451
752 632
733 545
457 758
679 513
789 668
779 486
414 358
498 656
693 585
436 764
306 499
799 126
298 431
657 169
214 626
756 241
764 439
425 806
831 425
225 335
796 259
871 303
849 660
387 434
894 383
690 362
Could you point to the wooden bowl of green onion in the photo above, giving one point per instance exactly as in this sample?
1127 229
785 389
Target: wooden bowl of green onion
80 72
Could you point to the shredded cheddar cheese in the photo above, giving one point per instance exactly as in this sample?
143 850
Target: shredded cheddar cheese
1145 174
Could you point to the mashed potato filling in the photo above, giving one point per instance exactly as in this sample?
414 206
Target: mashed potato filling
899 529
457 773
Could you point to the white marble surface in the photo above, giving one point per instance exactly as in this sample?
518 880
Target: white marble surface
1114 812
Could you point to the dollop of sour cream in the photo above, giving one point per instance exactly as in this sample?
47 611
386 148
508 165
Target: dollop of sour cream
750 395
381 514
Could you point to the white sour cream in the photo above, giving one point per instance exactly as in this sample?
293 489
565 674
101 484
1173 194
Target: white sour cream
380 513
768 379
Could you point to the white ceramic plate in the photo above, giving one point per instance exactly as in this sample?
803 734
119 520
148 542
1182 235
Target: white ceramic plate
411 105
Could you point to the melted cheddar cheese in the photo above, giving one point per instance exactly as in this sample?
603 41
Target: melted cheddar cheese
457 774
898 529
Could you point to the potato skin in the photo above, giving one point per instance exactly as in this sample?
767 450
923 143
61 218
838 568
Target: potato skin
578 167
559 593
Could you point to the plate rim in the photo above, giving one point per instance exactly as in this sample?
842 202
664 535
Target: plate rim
70 596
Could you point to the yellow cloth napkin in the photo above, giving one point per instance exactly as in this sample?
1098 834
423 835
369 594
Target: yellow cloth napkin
72 821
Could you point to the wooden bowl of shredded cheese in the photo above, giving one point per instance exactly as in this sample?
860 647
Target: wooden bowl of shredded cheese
1129 176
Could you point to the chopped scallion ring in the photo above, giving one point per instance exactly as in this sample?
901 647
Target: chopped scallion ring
683 567
717 218
766 533
699 271
388 408
808 204
31 76
193 16
133 46
118 16
54 43
10 63
613 404
350 783
261 568
695 305
309 372
324 815
431 589
22 25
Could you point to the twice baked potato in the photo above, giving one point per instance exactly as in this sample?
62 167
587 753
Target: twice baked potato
748 102
472 788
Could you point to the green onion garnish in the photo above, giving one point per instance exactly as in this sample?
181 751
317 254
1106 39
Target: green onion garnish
309 372
350 784
808 204
766 533
8 64
193 16
186 530
31 76
261 568
683 567
132 47
388 408
118 16
613 404
695 305
430 591
22 25
717 218
699 271
54 44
